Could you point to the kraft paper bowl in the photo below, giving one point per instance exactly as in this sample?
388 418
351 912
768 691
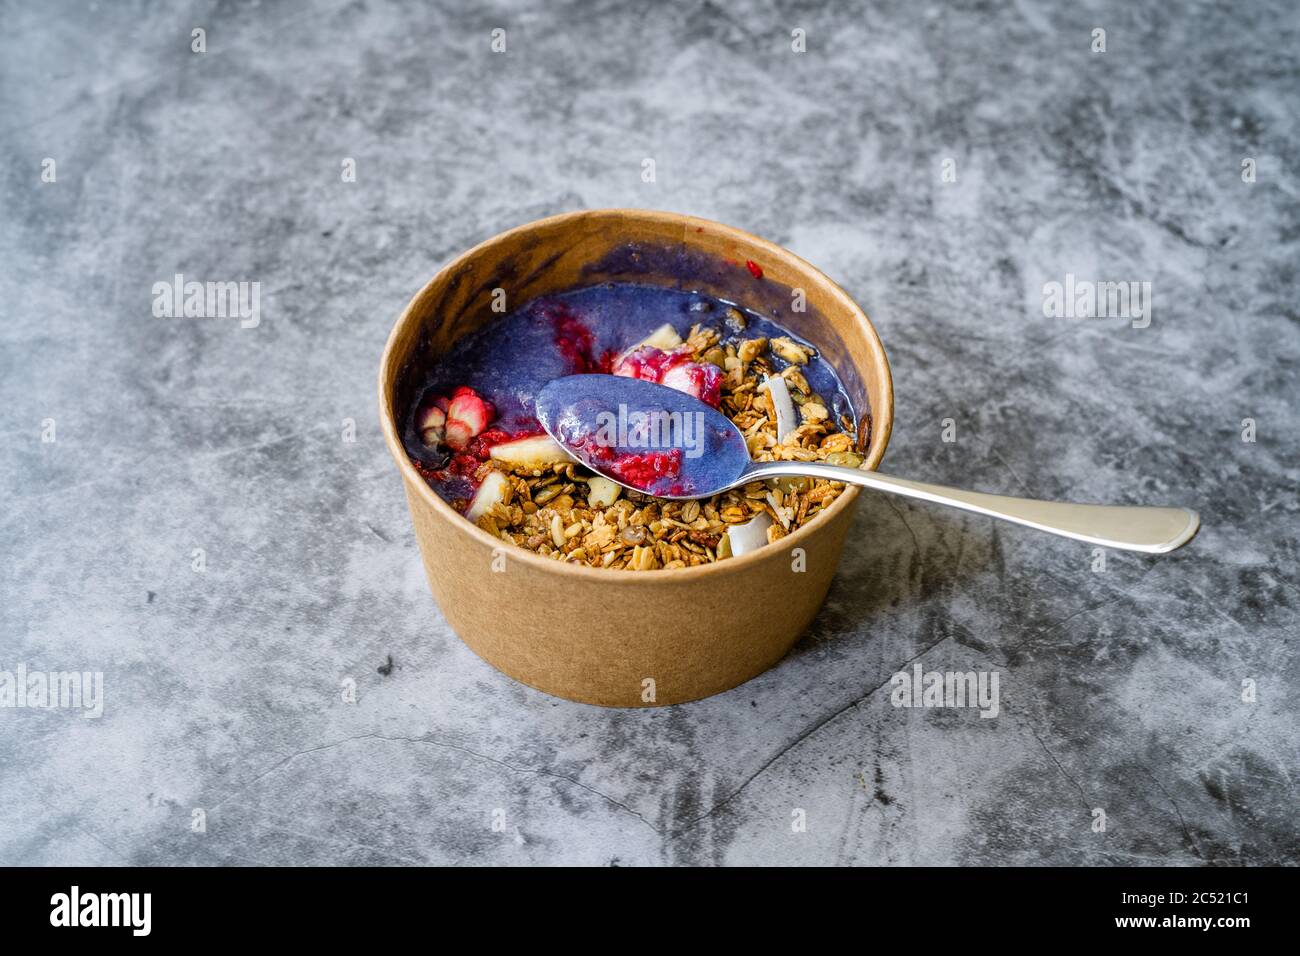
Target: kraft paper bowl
621 638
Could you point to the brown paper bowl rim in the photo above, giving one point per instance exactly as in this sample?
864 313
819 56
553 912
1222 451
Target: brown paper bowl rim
882 419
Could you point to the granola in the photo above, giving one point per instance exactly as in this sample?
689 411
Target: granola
563 511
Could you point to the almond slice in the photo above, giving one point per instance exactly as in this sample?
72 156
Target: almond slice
492 491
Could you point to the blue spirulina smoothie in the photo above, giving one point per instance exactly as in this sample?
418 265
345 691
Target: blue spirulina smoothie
497 371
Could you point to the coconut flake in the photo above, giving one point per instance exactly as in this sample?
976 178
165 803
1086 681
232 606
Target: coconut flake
749 536
786 419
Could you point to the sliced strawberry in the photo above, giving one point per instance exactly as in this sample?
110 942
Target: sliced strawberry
646 362
431 422
702 381
467 415
674 369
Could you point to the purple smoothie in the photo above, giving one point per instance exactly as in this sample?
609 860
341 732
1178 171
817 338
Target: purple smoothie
508 361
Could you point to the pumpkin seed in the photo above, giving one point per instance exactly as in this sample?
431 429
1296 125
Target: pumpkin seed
846 458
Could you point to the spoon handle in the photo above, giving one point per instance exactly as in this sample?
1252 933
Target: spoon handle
1127 527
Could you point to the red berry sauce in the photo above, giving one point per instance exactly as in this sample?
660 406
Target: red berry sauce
645 470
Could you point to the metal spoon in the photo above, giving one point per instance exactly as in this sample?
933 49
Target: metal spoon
669 444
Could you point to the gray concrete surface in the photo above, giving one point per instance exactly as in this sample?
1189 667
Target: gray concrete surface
1121 690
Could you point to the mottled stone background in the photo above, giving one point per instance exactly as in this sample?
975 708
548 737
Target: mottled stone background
1121 690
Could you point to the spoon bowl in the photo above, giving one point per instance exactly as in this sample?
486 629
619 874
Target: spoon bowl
644 436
